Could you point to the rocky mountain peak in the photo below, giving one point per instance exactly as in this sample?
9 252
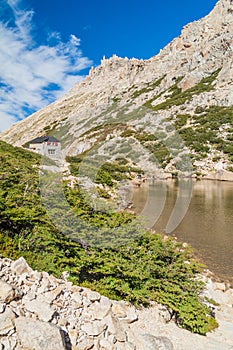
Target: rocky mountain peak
192 73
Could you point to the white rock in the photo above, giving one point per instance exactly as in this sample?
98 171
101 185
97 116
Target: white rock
220 286
126 346
6 319
151 342
39 335
42 310
85 344
99 309
7 292
125 311
77 298
105 344
9 344
115 328
20 266
94 328
2 307
119 309
91 295
131 315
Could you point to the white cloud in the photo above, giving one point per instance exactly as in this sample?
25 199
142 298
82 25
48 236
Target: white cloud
32 75
6 120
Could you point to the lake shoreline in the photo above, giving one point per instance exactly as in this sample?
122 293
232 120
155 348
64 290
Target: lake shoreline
206 225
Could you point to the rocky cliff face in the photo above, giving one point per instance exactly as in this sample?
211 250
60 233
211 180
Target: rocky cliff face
183 96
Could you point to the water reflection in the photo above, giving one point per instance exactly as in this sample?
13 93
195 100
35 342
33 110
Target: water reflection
207 225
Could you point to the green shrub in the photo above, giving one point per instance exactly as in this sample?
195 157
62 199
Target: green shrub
147 268
181 120
150 87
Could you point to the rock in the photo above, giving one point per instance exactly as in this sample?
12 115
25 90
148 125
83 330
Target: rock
2 307
115 328
124 346
124 311
76 289
36 276
6 321
105 344
156 343
164 313
73 335
50 296
7 292
203 47
20 266
94 329
77 298
131 315
189 81
220 286
222 175
119 310
39 335
73 321
29 296
85 344
99 309
92 296
9 344
42 310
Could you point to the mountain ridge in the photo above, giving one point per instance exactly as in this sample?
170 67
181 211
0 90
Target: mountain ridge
136 92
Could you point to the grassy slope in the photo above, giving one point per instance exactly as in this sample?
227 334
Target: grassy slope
149 268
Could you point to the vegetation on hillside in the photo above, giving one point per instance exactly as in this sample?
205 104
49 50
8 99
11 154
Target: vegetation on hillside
175 95
109 173
150 268
158 151
207 133
207 129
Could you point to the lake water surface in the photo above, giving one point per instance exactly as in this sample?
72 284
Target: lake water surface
207 224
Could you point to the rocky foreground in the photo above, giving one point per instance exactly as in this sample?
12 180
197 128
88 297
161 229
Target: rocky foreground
41 312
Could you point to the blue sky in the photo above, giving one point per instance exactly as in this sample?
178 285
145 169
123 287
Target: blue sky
47 45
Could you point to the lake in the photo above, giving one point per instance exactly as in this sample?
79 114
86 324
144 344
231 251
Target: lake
207 225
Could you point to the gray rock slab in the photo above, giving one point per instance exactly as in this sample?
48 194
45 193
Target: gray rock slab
6 324
156 343
42 310
39 335
94 328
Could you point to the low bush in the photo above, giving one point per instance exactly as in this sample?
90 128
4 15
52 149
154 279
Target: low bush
142 268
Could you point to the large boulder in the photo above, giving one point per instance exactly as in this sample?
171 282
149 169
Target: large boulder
39 335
